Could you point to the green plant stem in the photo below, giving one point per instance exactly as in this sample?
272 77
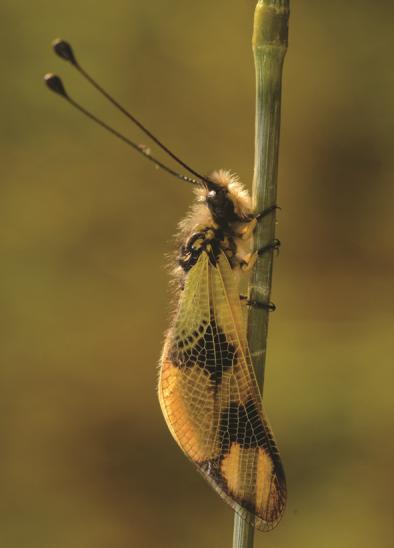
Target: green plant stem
269 49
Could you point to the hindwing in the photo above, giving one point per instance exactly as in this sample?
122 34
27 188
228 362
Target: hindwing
210 398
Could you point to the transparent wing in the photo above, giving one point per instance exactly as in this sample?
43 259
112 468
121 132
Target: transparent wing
210 398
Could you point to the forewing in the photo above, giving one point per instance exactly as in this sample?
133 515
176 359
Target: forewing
210 398
184 389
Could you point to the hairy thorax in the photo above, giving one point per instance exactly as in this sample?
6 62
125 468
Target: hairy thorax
221 219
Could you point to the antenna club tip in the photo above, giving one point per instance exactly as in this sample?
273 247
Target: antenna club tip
55 84
64 50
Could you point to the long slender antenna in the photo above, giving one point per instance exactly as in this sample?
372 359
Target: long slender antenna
64 50
55 84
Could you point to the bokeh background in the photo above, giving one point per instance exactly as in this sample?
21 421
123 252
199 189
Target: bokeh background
86 459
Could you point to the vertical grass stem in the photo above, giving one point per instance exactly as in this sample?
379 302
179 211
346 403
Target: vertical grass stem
269 48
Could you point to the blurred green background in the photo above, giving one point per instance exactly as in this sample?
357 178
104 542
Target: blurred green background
86 459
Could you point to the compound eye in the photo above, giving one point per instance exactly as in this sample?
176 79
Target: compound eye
211 194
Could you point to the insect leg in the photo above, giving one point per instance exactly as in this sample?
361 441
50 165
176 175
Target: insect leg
274 245
246 232
249 302
266 306
265 212
248 265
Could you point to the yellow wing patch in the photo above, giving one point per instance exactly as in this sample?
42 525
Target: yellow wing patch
210 398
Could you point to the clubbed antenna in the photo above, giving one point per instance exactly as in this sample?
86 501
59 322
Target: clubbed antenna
55 84
64 50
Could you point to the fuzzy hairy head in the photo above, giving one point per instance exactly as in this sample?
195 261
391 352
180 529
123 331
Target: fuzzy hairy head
225 205
227 200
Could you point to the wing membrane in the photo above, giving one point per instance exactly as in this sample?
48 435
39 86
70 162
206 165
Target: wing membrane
210 398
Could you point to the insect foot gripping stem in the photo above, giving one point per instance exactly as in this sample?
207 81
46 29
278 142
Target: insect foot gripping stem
266 212
266 306
249 302
274 245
